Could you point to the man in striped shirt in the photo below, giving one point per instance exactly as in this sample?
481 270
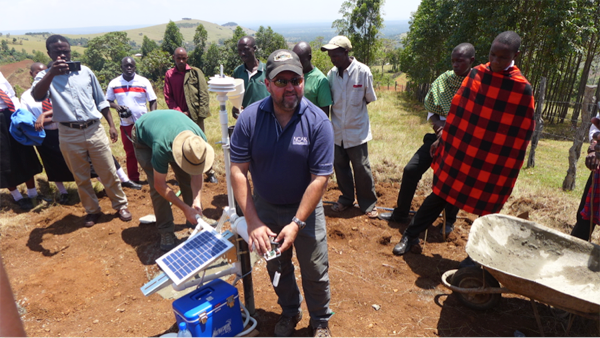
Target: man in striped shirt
131 91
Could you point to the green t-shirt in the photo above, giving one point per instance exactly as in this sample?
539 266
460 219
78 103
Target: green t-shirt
157 129
255 88
316 88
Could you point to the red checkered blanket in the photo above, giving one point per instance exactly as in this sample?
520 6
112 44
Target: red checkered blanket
593 192
484 140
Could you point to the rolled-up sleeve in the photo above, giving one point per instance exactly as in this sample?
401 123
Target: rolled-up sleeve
37 79
98 94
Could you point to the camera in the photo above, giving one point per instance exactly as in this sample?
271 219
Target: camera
74 65
125 113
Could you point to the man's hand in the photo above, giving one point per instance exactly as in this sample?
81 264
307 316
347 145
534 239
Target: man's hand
287 236
235 113
438 126
191 212
258 238
434 147
59 67
592 162
186 113
39 123
121 109
114 136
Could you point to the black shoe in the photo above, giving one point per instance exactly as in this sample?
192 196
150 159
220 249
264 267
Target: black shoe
25 203
63 199
211 178
285 326
391 217
449 228
131 185
404 245
140 182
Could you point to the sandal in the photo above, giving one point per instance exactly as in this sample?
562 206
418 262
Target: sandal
339 207
372 214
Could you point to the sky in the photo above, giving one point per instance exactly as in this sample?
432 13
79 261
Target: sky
34 15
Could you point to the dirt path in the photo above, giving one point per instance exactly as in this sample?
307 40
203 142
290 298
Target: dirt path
76 281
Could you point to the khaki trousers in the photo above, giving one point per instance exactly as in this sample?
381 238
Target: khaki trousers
162 207
76 145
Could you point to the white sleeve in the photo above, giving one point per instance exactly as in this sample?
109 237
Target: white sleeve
593 130
150 95
110 92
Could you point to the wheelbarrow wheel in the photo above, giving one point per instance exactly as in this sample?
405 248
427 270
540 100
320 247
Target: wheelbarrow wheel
473 278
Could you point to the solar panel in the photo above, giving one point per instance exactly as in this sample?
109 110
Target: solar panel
193 255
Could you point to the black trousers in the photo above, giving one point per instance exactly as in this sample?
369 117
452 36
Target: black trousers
582 227
413 172
426 215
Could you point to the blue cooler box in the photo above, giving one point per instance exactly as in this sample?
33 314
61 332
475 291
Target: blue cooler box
211 311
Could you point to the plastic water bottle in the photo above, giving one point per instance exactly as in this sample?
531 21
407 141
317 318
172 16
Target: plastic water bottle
183 330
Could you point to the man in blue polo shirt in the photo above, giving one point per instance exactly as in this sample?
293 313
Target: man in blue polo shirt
286 142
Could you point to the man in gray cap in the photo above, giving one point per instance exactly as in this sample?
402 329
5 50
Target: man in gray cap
285 136
352 89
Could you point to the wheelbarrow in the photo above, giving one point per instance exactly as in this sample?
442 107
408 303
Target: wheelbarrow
522 257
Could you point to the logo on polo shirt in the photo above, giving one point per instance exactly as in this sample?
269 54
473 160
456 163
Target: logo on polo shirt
300 141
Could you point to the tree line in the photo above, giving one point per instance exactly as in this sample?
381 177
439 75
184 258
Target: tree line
560 41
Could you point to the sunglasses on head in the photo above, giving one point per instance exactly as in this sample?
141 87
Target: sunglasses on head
281 83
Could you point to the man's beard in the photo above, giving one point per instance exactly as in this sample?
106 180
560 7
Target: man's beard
287 105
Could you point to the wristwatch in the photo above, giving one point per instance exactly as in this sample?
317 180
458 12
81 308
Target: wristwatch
300 224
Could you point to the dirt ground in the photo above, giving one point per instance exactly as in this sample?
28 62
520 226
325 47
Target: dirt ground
17 73
75 281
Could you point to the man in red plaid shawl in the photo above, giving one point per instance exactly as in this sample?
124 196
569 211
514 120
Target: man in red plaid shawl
482 147
592 161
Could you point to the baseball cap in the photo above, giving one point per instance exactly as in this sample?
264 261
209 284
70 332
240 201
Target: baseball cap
282 60
339 41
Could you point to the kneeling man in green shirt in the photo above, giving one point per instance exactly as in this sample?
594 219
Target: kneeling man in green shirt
163 138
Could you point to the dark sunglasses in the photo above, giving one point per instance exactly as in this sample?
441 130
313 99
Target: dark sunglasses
281 83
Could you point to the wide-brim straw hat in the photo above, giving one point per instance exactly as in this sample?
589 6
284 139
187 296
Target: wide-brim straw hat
192 153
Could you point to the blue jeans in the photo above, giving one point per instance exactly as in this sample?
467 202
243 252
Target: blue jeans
311 252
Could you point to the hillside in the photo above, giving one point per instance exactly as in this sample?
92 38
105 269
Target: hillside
187 27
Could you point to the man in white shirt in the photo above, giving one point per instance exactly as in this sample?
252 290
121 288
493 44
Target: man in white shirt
352 89
131 91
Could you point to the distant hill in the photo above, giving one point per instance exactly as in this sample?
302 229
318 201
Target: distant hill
216 33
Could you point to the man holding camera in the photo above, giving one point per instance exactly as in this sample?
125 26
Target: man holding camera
78 104
131 91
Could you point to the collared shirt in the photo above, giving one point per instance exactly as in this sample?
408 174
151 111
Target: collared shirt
316 88
283 159
8 89
76 96
35 108
132 94
158 129
174 92
351 94
255 88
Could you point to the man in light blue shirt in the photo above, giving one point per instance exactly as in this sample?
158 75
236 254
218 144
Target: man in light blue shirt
78 105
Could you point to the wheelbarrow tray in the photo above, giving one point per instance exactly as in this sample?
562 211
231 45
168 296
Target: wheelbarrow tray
538 262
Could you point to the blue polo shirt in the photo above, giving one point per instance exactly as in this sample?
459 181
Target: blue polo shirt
282 160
